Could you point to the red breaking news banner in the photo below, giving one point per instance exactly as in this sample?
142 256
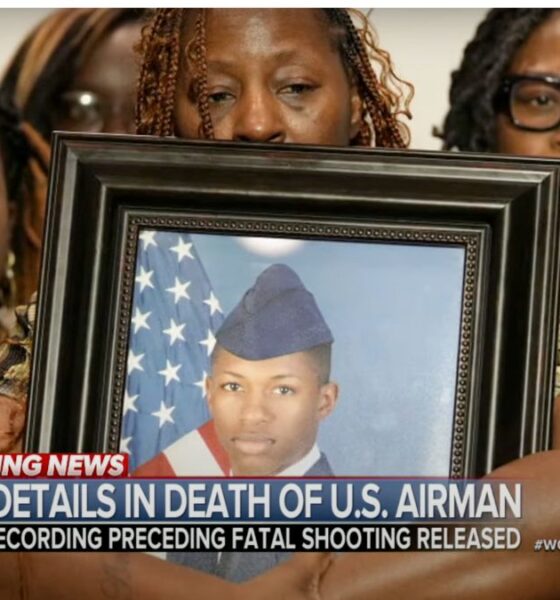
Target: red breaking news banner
82 466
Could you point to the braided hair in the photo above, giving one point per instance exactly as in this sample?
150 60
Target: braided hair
470 123
42 68
25 157
46 62
384 96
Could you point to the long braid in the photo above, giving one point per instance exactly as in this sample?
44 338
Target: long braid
157 84
207 129
159 96
382 97
165 59
160 48
379 102
470 122
26 156
146 84
172 72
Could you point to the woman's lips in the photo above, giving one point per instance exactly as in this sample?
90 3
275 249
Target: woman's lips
253 443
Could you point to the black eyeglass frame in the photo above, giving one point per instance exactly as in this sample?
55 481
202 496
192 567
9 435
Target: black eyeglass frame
502 100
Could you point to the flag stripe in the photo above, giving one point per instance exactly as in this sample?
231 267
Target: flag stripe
191 457
159 466
210 437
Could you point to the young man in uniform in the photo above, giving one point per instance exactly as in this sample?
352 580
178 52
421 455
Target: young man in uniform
268 391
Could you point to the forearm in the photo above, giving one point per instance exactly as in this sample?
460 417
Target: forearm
431 576
516 575
104 576
91 576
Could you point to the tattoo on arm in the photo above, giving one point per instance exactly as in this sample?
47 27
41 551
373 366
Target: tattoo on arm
115 580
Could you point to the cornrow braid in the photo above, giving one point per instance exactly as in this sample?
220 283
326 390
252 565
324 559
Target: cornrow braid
382 97
470 123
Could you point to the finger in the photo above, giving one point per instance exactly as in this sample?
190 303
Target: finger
312 566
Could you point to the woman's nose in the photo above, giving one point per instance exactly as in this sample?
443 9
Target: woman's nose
258 119
120 120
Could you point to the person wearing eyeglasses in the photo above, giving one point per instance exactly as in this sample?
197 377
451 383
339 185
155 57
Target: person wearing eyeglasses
76 71
505 95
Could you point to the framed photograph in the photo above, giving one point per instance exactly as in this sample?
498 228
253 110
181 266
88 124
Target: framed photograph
182 280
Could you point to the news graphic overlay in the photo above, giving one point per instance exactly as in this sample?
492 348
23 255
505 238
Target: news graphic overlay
86 502
219 322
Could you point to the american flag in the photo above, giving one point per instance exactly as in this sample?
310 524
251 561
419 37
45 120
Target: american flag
175 314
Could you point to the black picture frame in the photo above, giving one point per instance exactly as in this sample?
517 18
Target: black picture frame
503 211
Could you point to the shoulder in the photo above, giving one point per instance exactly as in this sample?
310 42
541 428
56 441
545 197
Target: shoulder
322 468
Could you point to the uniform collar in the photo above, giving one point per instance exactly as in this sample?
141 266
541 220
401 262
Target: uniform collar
300 468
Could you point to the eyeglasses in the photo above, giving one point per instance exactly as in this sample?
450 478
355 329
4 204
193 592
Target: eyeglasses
79 110
532 102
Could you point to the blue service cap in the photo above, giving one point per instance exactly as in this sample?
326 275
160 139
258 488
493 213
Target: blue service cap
277 316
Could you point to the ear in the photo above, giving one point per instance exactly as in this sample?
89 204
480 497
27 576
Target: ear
328 398
356 111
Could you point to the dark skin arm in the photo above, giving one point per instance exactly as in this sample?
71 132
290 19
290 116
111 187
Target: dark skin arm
515 575
107 576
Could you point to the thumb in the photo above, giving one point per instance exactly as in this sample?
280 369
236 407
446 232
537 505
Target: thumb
309 568
298 578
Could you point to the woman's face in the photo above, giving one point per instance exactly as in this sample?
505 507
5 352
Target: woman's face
540 55
102 95
273 76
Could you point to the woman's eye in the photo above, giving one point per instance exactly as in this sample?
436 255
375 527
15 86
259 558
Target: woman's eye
219 97
296 89
541 97
542 100
284 390
80 109
231 387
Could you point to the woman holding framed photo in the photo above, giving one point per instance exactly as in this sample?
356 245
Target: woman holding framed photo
287 76
315 84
